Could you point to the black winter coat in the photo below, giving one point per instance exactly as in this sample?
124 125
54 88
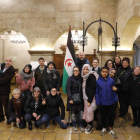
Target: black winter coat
125 77
52 106
49 82
11 112
90 87
134 93
74 85
39 79
30 106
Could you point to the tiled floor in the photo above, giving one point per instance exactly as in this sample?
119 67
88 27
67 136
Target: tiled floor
7 132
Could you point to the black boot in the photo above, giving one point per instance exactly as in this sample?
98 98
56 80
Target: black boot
30 125
134 124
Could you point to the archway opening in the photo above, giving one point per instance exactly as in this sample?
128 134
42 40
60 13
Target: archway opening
62 40
15 45
129 33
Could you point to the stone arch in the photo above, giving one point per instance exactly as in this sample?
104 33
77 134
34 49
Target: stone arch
129 32
76 24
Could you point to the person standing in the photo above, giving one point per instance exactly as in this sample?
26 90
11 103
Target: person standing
51 78
124 74
134 96
26 81
95 66
117 62
5 80
89 88
106 100
109 64
81 60
40 70
74 85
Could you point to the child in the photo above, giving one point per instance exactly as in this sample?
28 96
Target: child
89 88
106 100
16 109
52 104
1 72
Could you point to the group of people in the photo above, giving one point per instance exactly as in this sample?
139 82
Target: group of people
92 94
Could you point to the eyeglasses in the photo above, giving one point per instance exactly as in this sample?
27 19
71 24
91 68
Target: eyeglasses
75 70
36 91
53 91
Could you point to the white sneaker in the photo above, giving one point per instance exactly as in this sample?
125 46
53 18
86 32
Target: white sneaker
111 132
103 131
87 127
75 128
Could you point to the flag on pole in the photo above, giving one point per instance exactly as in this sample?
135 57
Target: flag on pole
69 61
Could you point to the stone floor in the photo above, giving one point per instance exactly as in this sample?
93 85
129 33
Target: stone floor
8 132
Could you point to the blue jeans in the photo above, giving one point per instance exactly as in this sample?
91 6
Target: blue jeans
46 118
22 123
74 118
29 117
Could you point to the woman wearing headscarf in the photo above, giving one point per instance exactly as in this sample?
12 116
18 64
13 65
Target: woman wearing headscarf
89 88
26 81
51 78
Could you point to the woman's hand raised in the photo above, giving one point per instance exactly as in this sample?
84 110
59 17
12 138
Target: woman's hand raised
43 101
71 101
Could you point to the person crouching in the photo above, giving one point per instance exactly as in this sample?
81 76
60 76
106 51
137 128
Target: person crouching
33 108
16 109
52 103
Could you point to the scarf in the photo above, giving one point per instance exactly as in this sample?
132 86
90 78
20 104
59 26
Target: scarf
26 76
85 77
80 62
52 72
41 69
17 106
95 69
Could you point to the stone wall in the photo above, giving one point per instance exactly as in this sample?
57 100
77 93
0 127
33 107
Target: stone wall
128 18
42 21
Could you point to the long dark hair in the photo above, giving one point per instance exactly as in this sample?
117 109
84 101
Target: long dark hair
107 63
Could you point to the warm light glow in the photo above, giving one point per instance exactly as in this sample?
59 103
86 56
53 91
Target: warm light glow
106 49
41 48
124 48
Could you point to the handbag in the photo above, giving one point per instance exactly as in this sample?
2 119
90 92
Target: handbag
76 98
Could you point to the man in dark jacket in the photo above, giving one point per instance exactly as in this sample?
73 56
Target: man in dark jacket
81 60
40 70
5 80
106 99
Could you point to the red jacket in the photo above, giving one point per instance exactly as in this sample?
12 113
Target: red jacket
23 86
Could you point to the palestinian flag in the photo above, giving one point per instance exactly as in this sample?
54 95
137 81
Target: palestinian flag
69 61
